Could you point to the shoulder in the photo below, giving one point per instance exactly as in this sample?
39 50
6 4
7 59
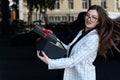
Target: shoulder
93 34
92 39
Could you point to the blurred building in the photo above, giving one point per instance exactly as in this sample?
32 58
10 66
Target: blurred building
67 10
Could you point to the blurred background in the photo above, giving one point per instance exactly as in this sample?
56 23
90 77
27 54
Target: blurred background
24 13
18 19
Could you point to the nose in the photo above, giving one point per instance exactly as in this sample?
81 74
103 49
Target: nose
89 18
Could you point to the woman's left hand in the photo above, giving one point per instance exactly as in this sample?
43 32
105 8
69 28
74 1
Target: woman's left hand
43 58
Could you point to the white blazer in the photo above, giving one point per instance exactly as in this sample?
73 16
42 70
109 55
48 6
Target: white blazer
79 65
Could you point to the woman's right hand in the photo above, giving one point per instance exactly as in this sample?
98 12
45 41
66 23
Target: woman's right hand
43 58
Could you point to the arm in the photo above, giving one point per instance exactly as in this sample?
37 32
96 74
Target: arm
80 53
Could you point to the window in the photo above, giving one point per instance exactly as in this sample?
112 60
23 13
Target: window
64 18
72 18
86 4
70 4
57 18
103 3
57 4
117 4
51 18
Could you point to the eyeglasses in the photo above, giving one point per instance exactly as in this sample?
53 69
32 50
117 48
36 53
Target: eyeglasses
92 18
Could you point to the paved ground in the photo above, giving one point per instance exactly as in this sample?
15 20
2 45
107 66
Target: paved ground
20 63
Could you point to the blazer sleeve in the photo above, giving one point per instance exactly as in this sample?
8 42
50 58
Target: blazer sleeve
80 53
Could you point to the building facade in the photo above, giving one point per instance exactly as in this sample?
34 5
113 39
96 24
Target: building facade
68 10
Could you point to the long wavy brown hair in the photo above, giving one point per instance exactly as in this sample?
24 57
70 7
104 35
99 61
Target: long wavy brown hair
108 31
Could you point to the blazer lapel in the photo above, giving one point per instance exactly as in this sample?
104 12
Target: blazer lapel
82 40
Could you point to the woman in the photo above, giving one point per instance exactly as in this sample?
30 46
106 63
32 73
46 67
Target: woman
100 35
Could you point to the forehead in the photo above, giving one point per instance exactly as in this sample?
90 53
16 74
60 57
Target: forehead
92 12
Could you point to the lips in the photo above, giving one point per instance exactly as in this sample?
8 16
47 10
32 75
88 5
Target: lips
88 22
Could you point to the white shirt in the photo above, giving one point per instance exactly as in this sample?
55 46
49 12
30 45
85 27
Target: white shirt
79 65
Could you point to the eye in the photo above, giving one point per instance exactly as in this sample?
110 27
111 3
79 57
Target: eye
87 15
94 17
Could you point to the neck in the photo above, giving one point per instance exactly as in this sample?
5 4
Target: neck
87 29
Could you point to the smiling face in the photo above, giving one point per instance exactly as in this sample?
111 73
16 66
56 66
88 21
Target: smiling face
91 19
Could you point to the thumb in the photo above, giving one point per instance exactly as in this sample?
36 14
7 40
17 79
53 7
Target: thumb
44 54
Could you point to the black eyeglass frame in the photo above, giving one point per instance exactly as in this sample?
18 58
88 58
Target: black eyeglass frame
92 18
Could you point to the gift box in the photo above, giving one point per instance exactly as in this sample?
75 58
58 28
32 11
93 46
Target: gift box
52 50
48 43
45 33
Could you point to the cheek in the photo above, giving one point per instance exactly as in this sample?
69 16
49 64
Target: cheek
94 24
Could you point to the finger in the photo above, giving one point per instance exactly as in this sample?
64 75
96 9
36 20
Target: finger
38 55
44 54
38 52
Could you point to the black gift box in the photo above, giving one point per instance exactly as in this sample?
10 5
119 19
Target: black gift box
45 33
48 43
51 49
